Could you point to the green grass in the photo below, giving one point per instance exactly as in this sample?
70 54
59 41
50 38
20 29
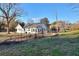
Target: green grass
70 32
63 45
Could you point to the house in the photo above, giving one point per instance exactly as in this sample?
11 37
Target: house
60 26
19 29
31 28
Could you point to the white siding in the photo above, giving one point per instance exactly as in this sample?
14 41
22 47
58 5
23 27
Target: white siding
31 30
19 29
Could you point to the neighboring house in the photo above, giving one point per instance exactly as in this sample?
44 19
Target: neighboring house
19 29
32 29
53 28
60 26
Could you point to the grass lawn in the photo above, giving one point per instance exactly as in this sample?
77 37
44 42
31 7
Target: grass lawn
62 45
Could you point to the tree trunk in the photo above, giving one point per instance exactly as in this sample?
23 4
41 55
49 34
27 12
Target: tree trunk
8 32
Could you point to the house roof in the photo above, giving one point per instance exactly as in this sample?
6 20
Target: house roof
33 25
18 26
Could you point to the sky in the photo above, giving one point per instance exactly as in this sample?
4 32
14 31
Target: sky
37 11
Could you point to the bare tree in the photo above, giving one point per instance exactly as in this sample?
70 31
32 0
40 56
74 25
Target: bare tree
45 21
9 12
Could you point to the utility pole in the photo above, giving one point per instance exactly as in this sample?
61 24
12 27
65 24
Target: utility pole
56 15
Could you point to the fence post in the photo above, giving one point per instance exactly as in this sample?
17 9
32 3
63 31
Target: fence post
35 36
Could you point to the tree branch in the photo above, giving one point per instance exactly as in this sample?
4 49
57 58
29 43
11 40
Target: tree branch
4 12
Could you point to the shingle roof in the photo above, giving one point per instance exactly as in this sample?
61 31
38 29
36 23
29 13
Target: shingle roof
33 25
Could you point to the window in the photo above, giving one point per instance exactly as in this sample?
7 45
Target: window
28 29
35 30
39 30
32 30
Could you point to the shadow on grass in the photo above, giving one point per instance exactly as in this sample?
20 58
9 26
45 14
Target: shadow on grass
53 46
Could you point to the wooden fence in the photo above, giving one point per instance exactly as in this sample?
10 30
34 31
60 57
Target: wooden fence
20 38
